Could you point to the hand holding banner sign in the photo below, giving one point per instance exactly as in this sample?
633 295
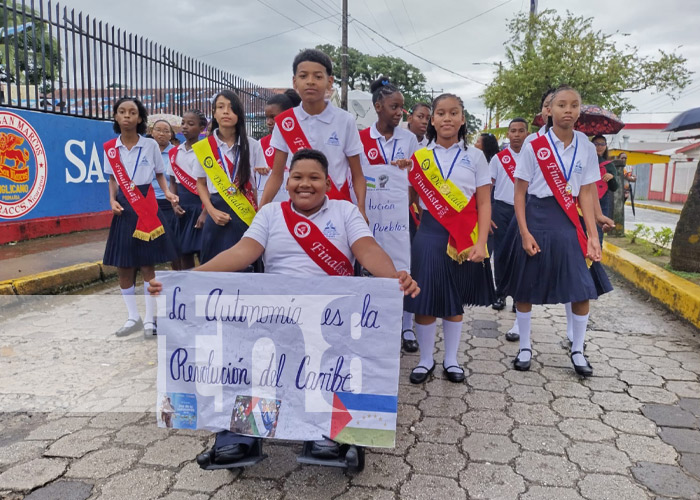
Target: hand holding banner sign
280 356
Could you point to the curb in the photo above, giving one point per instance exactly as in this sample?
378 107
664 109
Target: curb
58 280
679 295
658 208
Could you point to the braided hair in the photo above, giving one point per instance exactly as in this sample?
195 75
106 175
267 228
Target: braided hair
381 88
560 88
431 133
200 116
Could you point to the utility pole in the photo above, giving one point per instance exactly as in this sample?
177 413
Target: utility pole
344 60
433 92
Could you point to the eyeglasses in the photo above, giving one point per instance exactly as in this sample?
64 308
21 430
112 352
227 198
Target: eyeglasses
600 144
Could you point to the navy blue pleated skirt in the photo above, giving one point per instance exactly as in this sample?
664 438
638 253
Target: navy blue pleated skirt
215 238
123 250
446 286
556 275
501 214
169 222
189 238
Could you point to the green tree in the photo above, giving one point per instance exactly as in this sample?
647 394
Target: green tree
473 124
548 50
26 47
363 69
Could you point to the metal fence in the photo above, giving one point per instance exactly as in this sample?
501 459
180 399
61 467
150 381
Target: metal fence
56 60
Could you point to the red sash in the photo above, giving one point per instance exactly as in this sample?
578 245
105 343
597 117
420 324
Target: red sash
312 240
459 223
148 226
185 179
508 162
371 147
268 150
293 135
557 183
601 185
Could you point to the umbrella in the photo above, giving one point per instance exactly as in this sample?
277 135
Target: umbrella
174 120
594 120
685 121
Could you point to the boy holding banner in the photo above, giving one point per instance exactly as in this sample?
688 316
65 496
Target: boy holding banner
317 124
309 235
386 147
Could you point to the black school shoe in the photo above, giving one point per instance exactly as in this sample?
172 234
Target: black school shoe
522 366
418 377
583 370
408 345
128 329
512 336
499 304
456 377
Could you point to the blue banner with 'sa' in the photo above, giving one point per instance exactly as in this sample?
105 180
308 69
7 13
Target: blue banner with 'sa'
51 165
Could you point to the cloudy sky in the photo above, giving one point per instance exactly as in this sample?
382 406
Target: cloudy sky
257 39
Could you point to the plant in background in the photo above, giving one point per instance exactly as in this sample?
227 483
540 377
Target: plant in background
662 239
639 231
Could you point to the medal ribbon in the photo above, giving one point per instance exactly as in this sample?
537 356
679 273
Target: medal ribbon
148 226
446 202
206 151
567 176
312 240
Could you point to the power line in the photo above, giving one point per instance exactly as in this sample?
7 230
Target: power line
396 25
264 38
458 24
416 55
289 18
410 20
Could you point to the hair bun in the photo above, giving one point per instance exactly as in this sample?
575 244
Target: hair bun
380 82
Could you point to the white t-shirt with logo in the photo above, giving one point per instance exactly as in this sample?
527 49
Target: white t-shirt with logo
339 220
146 152
503 187
186 160
400 146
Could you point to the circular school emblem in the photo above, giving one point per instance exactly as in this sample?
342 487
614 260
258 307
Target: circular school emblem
426 164
288 124
372 154
208 162
112 153
23 170
506 159
270 151
302 229
543 154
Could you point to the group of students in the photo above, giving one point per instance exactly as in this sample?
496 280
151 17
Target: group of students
236 202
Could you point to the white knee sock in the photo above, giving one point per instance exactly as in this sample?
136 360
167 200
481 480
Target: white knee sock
407 326
452 331
426 341
579 327
514 328
150 316
569 322
523 320
130 301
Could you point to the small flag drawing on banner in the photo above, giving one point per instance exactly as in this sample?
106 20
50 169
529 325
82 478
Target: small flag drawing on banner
371 182
364 419
255 416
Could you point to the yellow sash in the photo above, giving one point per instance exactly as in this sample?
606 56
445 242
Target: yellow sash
215 171
448 192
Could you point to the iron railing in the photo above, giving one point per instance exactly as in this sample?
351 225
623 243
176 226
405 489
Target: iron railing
57 60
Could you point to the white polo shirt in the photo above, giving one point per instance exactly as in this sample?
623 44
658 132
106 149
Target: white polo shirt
470 169
339 220
423 142
585 166
333 132
503 187
186 160
534 135
257 158
399 146
146 152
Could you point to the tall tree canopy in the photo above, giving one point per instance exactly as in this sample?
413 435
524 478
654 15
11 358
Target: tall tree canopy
363 69
548 50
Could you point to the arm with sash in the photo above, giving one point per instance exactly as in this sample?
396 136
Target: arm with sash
447 203
148 226
294 136
206 151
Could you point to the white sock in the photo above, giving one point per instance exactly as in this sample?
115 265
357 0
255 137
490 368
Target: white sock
523 320
514 328
150 316
426 342
569 322
130 301
452 331
579 327
407 326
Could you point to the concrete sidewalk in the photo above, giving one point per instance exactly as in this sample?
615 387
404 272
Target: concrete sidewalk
659 206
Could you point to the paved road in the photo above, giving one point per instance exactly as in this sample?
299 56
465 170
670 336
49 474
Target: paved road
76 417
651 218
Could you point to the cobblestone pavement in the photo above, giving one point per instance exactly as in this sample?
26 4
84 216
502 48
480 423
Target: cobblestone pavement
76 417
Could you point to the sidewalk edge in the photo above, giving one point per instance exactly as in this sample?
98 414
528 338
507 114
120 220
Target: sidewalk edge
55 281
658 208
677 294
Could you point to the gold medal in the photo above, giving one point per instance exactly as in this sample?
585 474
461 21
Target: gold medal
445 188
132 186
231 190
569 189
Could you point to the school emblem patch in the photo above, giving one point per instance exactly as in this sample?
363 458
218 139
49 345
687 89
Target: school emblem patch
543 154
372 154
302 229
506 159
270 151
330 231
23 170
288 124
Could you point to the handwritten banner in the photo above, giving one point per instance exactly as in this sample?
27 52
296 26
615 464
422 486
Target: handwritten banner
386 206
280 356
